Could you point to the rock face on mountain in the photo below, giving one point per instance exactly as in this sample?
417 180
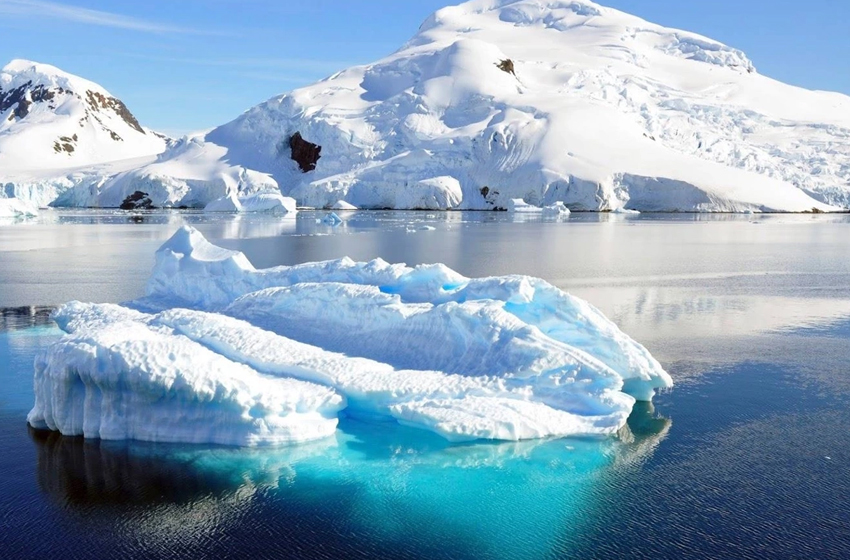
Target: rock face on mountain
50 119
489 102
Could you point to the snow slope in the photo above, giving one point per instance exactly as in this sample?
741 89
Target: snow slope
598 109
497 100
230 354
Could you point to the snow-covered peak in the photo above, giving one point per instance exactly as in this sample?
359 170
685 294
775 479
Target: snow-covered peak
578 17
20 72
52 119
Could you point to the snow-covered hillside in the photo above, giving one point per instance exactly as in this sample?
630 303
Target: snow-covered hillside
552 100
50 119
542 100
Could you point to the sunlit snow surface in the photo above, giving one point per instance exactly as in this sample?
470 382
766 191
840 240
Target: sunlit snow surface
220 352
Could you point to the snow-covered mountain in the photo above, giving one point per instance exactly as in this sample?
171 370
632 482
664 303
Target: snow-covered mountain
57 128
544 100
50 119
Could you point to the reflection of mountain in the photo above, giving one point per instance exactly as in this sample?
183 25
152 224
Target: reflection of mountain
15 318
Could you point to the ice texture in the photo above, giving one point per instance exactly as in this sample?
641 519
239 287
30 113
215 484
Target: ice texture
227 353
117 376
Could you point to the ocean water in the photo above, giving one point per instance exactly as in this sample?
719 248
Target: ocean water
747 457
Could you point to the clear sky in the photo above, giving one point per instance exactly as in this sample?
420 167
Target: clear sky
183 65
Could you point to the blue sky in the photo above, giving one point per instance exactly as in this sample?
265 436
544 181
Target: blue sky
191 64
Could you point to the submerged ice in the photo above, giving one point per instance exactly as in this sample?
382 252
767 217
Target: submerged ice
222 352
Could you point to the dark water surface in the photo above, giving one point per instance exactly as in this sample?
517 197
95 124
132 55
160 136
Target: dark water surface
747 457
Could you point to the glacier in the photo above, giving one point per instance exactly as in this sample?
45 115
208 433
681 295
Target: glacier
489 102
221 352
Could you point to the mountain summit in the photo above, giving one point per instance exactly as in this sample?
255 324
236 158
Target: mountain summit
556 100
52 119
544 100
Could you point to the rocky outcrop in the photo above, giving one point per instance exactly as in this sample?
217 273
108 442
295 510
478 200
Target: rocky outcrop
137 201
507 65
97 101
304 153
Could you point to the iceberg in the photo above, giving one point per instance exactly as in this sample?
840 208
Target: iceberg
332 219
221 352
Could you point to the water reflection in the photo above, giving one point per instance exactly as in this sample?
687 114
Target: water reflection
89 472
25 317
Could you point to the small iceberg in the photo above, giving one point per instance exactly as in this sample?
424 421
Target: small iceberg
342 205
332 219
225 353
17 209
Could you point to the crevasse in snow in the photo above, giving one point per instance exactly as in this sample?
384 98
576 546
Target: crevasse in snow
227 353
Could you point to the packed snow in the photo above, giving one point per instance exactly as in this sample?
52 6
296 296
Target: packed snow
491 101
222 352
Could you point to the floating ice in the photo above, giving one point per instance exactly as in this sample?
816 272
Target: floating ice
15 208
332 219
245 356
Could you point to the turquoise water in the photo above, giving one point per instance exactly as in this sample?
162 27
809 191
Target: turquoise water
746 457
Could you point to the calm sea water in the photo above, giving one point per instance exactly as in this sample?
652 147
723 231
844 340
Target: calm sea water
749 455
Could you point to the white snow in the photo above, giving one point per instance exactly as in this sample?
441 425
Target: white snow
244 356
493 100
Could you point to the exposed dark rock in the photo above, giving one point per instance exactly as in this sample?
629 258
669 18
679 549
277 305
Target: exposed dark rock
114 136
97 101
304 153
507 65
19 97
65 144
137 201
